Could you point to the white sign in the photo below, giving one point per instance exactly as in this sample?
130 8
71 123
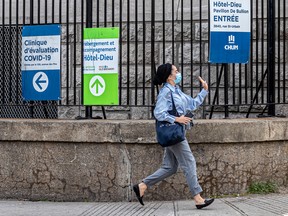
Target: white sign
41 52
100 56
230 16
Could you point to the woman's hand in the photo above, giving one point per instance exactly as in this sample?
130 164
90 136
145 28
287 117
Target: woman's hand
204 83
183 120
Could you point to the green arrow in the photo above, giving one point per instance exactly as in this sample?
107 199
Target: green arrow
97 83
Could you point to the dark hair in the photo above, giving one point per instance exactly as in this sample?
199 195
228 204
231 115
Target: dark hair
163 72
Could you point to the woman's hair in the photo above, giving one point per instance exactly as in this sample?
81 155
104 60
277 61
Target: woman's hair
162 74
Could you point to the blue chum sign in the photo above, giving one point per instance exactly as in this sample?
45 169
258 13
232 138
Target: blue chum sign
41 50
229 31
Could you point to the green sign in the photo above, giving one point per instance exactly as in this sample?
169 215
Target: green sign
100 67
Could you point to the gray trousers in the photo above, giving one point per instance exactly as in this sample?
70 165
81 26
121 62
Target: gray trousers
174 156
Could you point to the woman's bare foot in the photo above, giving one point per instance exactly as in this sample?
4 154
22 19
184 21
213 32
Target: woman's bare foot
198 199
142 187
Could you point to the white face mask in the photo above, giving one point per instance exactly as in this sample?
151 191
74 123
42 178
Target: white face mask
178 78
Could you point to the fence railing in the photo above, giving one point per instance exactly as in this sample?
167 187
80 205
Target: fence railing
151 33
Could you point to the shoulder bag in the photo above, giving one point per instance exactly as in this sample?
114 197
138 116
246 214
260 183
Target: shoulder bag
170 133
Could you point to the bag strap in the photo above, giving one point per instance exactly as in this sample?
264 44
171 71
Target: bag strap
174 110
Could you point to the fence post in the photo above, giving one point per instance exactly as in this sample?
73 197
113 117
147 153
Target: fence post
88 109
226 89
271 57
153 65
31 103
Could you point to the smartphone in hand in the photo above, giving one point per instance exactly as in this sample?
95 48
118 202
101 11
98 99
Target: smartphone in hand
189 115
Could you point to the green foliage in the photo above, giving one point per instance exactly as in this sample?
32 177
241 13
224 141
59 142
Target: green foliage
262 188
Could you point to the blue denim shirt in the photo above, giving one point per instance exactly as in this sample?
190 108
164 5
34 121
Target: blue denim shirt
183 102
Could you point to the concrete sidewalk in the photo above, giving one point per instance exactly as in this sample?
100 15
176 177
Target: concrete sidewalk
264 205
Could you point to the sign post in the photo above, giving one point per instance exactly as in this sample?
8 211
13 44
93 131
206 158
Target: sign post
271 58
41 62
100 66
229 31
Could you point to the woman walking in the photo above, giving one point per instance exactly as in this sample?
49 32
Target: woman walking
179 154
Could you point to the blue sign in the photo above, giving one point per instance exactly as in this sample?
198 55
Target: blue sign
229 31
41 62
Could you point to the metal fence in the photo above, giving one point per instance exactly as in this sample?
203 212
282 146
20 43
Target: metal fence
151 33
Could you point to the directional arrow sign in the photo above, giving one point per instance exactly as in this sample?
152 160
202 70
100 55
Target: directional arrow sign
97 85
40 81
100 69
41 75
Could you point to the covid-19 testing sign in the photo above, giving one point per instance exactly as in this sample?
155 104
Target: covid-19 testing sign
41 53
100 66
229 31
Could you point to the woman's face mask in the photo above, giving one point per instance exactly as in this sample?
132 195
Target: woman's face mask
178 78
175 75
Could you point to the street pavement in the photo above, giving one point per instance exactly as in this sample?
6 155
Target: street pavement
252 205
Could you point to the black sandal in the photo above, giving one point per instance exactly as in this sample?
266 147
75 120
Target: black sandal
136 189
206 203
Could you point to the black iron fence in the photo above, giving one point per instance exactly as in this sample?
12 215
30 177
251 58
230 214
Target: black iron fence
151 33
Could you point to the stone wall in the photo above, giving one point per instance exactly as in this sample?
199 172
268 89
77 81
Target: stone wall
99 160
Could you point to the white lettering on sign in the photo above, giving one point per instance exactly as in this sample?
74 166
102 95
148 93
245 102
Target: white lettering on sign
231 47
